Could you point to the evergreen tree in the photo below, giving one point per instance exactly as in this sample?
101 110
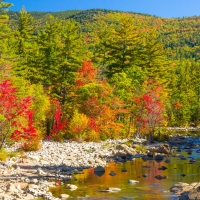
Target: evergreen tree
70 56
124 47
24 33
23 43
48 41
154 59
4 28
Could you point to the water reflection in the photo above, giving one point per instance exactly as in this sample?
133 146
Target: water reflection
148 188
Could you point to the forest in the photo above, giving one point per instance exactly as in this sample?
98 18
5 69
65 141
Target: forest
96 74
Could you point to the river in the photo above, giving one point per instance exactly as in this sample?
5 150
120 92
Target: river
148 188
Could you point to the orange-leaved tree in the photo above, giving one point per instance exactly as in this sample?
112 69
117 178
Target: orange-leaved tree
95 99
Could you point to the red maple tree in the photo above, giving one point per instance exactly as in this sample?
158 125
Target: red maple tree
150 111
16 116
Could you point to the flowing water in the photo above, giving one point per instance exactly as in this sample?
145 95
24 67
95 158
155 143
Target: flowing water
148 188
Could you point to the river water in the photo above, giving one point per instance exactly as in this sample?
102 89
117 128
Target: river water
148 188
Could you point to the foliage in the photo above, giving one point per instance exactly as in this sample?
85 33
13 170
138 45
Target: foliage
33 144
79 125
5 154
16 115
150 111
109 96
95 99
59 124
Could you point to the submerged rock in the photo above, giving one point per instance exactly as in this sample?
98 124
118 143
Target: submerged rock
162 168
159 177
99 171
144 175
112 173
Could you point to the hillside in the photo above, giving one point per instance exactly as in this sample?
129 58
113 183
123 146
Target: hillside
181 36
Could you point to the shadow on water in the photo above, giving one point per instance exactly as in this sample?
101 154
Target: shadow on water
148 188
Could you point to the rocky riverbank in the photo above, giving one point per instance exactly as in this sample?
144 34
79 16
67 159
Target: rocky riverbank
32 174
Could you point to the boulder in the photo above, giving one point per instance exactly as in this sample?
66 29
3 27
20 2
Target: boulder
122 147
99 169
163 148
194 194
121 154
158 157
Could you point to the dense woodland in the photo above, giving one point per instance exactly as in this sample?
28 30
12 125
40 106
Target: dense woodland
96 74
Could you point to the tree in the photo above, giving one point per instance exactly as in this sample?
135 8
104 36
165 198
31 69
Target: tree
58 123
154 58
95 99
124 46
24 33
184 91
78 125
47 55
149 112
16 116
4 28
70 57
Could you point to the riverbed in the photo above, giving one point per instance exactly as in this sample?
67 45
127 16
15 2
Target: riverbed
148 187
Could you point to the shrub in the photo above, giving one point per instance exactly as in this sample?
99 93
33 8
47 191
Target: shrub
32 145
5 154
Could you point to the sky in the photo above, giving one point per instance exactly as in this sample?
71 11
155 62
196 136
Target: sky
161 8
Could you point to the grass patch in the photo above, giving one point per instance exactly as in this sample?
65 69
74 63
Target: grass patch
5 154
140 148
128 143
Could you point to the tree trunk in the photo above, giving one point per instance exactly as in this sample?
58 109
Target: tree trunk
151 136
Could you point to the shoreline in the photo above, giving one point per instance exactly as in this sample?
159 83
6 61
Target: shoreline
32 174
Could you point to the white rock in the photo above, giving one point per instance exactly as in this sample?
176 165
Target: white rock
72 187
133 181
64 196
113 189
41 172
34 181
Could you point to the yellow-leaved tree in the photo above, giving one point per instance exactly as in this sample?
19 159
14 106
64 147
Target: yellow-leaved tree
78 125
